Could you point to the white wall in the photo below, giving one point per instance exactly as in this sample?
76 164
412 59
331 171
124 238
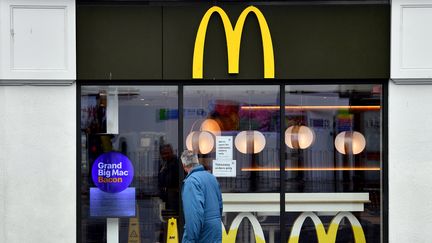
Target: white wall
410 119
38 164
410 163
37 123
2 161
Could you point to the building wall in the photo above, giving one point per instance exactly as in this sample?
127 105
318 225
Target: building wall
37 123
410 167
2 161
410 187
38 164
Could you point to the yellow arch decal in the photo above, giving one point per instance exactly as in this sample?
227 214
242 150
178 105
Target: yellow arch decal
330 236
233 40
231 236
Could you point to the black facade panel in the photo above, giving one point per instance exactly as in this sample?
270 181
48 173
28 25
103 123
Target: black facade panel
119 42
310 42
327 42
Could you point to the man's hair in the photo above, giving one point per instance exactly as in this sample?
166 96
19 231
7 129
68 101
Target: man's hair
165 146
189 159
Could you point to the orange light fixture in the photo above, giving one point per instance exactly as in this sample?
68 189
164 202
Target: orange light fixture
350 142
314 169
203 141
248 142
315 107
200 142
211 125
299 137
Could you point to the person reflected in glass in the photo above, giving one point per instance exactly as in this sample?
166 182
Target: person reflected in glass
202 202
168 177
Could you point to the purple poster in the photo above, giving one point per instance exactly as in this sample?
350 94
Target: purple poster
112 172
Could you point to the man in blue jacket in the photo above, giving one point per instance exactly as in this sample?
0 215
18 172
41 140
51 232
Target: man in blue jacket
202 203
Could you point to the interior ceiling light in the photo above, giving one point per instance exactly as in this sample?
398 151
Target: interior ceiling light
350 142
299 137
210 125
248 142
202 141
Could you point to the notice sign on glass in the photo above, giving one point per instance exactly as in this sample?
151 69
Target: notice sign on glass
224 148
224 168
224 165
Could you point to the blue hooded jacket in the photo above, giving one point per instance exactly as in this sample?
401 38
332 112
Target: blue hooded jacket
202 205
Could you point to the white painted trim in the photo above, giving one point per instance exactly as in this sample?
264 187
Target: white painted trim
401 73
12 27
52 82
64 71
412 81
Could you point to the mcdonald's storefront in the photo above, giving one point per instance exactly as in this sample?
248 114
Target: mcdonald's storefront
287 103
157 78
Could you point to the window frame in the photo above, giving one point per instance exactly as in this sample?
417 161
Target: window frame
282 151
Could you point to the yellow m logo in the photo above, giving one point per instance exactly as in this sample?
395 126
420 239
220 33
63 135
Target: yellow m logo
323 236
233 39
231 236
330 235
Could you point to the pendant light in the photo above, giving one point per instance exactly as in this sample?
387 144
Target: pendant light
212 126
250 141
299 137
203 141
350 142
200 142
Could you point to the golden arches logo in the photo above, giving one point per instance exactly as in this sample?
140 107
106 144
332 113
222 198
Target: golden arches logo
322 235
330 235
231 236
233 40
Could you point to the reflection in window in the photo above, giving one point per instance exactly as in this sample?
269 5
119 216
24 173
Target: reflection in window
141 123
332 142
221 125
217 112
345 152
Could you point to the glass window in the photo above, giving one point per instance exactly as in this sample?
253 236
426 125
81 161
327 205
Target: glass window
239 143
334 156
139 122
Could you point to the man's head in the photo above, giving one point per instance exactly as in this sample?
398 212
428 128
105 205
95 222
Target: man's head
189 160
166 152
